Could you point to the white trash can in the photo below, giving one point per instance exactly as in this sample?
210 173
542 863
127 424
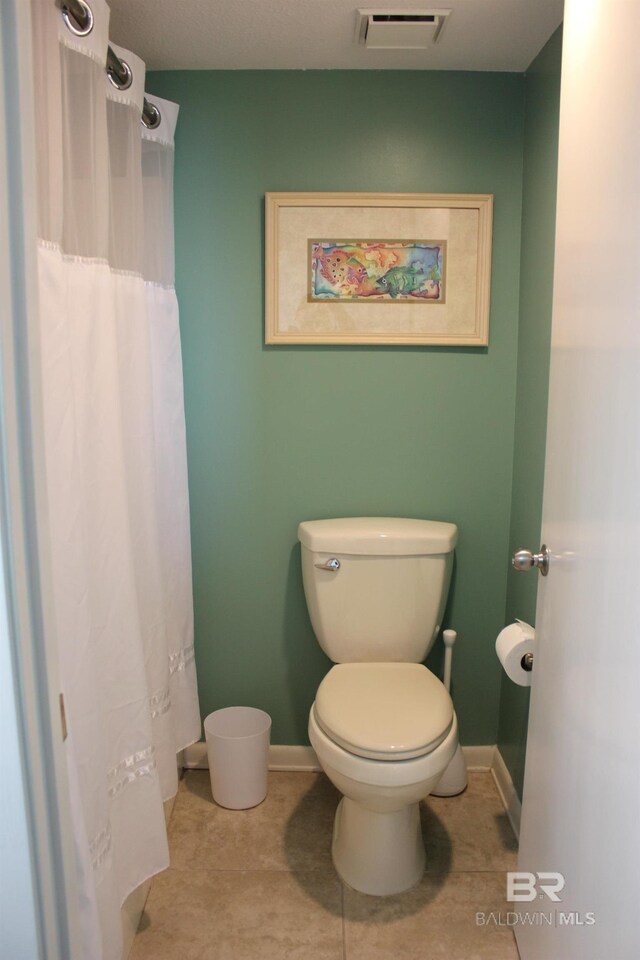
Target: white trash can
238 751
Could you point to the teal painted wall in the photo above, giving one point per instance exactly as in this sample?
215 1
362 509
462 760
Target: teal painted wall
542 100
281 434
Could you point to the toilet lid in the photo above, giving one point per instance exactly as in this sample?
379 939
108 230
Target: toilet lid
384 711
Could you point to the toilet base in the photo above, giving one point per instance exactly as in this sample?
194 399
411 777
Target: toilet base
378 853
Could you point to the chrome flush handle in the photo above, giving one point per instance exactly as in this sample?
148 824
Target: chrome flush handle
333 565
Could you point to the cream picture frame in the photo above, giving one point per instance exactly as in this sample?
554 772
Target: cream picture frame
338 266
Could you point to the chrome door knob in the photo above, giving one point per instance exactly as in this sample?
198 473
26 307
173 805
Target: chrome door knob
525 560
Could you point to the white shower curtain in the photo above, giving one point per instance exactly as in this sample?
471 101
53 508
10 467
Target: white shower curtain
115 458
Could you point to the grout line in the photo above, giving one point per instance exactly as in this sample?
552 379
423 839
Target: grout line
516 945
344 925
471 870
321 871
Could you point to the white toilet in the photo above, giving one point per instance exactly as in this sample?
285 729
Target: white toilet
382 725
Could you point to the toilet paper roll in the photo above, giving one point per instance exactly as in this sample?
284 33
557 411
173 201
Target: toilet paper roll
512 644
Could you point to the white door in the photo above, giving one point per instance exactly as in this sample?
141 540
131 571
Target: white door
581 809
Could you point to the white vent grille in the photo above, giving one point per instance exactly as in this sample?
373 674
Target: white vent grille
400 29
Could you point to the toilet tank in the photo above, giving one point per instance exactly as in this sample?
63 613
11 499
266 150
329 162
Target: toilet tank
384 599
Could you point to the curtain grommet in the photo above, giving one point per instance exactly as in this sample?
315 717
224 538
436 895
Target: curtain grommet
71 19
121 84
151 116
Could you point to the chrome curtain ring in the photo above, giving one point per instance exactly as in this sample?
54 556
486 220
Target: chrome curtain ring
121 83
74 21
151 116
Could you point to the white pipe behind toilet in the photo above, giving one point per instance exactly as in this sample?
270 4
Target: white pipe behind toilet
454 779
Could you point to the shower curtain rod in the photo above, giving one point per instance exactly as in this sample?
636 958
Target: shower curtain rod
78 17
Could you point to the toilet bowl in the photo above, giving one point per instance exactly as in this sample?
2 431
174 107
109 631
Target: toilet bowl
394 747
382 725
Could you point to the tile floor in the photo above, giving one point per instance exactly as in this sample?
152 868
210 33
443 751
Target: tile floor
259 884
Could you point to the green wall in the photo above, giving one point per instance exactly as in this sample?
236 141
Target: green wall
542 98
281 434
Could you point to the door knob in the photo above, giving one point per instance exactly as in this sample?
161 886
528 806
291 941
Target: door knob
524 560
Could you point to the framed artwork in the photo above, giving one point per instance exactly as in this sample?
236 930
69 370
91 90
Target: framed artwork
338 267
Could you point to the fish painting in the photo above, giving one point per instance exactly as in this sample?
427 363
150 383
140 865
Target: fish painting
402 271
400 281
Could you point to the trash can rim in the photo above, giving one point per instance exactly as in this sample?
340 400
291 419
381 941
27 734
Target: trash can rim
239 736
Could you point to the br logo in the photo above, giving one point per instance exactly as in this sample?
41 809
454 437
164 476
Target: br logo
525 886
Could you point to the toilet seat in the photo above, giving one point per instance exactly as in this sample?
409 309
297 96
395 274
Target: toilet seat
384 711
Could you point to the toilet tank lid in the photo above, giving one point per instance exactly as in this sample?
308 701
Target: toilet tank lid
378 536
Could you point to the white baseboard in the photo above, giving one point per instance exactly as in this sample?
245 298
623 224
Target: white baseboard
195 756
479 758
281 757
292 757
507 791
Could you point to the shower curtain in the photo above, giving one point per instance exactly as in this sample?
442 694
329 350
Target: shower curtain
118 512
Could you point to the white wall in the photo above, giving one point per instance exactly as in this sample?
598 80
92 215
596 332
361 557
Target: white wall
18 905
18 911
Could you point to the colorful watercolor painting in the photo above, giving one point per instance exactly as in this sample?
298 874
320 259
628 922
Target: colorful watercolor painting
397 271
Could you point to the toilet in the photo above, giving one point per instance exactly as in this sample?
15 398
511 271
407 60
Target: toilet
382 725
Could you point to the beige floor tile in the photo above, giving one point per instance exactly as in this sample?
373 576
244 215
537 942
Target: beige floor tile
291 830
259 884
434 921
470 831
240 916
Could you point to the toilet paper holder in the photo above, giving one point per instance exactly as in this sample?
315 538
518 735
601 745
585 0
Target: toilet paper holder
515 649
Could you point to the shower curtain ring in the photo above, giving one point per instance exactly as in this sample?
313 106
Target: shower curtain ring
151 116
120 83
78 17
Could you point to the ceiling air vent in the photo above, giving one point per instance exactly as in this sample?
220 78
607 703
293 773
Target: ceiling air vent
400 29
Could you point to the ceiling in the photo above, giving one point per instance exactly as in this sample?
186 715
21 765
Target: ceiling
319 34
